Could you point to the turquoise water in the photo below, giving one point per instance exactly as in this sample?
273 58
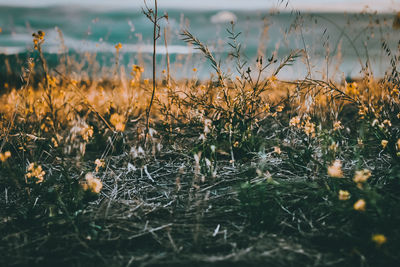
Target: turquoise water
336 44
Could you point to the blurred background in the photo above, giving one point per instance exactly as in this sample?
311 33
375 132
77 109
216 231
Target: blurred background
338 37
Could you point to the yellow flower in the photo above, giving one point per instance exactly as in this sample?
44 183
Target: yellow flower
99 164
137 68
344 195
398 144
92 183
277 150
309 128
279 108
35 171
118 46
359 205
236 144
118 121
334 146
379 239
337 125
362 176
5 156
194 69
384 143
295 121
87 133
335 170
351 89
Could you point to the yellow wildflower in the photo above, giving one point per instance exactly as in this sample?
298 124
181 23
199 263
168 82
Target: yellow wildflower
334 146
379 239
362 176
277 150
99 164
384 143
295 121
398 144
118 46
35 171
4 156
335 170
92 184
359 205
118 121
337 125
387 122
344 195
351 89
279 108
194 70
87 133
309 128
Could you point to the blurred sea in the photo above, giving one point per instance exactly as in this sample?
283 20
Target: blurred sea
337 44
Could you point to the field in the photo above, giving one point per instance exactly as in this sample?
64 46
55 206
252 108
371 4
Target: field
241 169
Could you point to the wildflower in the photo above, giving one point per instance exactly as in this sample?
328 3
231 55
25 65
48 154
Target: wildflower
395 92
5 156
272 79
351 89
384 143
54 141
379 239
118 121
118 46
277 150
194 70
267 107
1 29
99 164
236 144
87 133
359 205
38 39
362 176
344 195
279 108
337 125
92 184
334 146
35 171
309 128
137 68
387 122
295 121
398 144
335 170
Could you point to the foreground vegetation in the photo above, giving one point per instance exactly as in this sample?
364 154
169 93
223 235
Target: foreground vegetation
239 170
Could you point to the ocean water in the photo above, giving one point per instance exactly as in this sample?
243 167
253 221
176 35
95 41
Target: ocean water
334 44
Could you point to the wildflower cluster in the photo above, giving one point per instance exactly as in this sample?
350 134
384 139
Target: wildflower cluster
92 184
4 156
38 39
35 171
118 121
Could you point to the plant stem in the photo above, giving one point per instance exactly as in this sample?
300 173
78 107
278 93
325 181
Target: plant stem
154 69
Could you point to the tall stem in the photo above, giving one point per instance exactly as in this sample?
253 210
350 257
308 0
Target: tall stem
154 69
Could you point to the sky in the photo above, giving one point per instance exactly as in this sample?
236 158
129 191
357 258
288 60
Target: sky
310 5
